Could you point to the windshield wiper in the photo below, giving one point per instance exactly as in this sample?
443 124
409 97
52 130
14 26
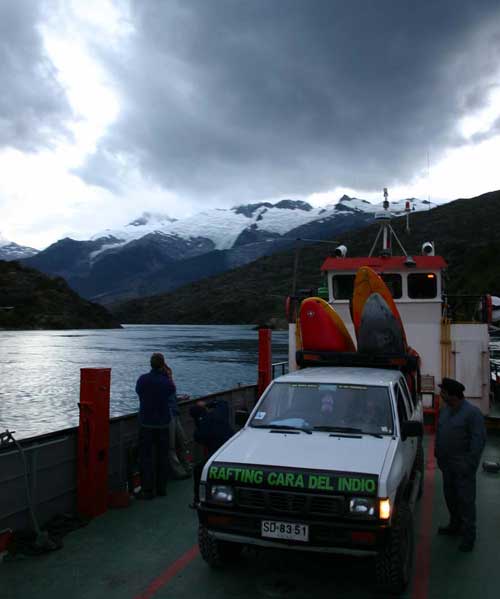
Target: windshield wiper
378 435
286 427
345 429
337 429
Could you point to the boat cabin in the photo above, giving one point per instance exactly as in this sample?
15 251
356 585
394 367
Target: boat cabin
449 341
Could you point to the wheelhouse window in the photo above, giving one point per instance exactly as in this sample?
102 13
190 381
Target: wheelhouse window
422 285
322 406
394 283
343 287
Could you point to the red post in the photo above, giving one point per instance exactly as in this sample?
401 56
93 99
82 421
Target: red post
264 360
93 441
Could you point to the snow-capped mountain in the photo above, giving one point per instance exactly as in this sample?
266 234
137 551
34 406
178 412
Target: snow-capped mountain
156 253
148 222
223 227
13 251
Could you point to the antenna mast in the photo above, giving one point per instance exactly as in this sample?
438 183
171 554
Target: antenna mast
388 232
408 212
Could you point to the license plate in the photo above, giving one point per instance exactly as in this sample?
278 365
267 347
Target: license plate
285 530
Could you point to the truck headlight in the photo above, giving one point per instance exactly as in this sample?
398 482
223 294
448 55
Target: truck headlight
222 494
362 506
384 509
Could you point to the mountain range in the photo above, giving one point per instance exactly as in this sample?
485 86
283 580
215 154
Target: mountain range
32 300
465 233
12 251
156 253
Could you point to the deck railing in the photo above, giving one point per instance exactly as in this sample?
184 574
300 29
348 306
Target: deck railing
51 462
466 308
278 368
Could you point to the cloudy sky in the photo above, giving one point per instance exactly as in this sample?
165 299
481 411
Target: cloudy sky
110 108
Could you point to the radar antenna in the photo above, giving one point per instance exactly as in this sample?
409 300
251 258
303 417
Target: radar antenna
388 232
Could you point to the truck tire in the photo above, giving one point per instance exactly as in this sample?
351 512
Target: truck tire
393 564
217 553
420 467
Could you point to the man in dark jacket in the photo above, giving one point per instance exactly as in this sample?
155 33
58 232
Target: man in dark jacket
460 440
156 392
212 430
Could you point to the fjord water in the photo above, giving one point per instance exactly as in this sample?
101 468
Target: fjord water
40 370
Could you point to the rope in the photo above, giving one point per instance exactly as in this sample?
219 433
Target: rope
37 541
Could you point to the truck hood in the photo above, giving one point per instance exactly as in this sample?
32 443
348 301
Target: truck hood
319 450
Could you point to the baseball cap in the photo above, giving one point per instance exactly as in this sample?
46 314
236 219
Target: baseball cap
452 386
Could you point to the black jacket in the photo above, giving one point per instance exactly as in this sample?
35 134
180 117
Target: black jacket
212 425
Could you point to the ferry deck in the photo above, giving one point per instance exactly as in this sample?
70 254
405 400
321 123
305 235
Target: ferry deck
149 550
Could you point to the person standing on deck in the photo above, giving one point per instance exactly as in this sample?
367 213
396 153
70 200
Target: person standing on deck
460 440
156 395
212 430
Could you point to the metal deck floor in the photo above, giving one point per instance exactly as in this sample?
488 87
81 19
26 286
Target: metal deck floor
149 550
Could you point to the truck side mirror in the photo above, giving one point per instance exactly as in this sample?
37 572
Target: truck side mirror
411 428
241 417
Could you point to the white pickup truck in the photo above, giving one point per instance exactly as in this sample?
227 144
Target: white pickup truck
329 460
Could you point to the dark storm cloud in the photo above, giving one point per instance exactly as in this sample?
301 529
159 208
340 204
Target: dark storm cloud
247 99
33 106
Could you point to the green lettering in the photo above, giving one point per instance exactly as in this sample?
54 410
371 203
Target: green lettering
247 476
213 472
299 481
271 478
328 486
290 480
345 484
356 484
259 477
280 479
370 486
313 482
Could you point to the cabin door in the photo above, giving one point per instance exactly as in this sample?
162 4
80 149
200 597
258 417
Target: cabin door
471 369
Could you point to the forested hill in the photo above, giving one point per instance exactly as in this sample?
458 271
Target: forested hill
465 233
32 300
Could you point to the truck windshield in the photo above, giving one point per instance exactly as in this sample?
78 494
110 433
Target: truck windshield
323 406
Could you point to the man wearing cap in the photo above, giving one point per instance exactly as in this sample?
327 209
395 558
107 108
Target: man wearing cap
460 439
156 391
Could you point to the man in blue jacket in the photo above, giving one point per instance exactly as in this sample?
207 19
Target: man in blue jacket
156 391
460 440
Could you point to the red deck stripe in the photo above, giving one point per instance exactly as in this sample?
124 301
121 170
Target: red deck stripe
423 562
169 573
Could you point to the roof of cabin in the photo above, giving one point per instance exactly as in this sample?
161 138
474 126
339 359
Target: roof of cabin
384 264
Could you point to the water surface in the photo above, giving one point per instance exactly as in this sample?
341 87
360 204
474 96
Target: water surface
40 370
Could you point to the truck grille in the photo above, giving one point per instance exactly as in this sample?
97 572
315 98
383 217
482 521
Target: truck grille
289 503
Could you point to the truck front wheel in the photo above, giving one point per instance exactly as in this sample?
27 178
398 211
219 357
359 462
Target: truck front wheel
393 564
216 553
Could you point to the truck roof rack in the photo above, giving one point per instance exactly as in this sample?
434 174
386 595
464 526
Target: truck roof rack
404 362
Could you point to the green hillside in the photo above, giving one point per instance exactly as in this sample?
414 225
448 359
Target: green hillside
465 233
32 300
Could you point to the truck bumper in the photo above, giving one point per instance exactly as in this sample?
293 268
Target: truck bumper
333 536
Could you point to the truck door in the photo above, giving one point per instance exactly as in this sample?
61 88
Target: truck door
404 413
415 404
